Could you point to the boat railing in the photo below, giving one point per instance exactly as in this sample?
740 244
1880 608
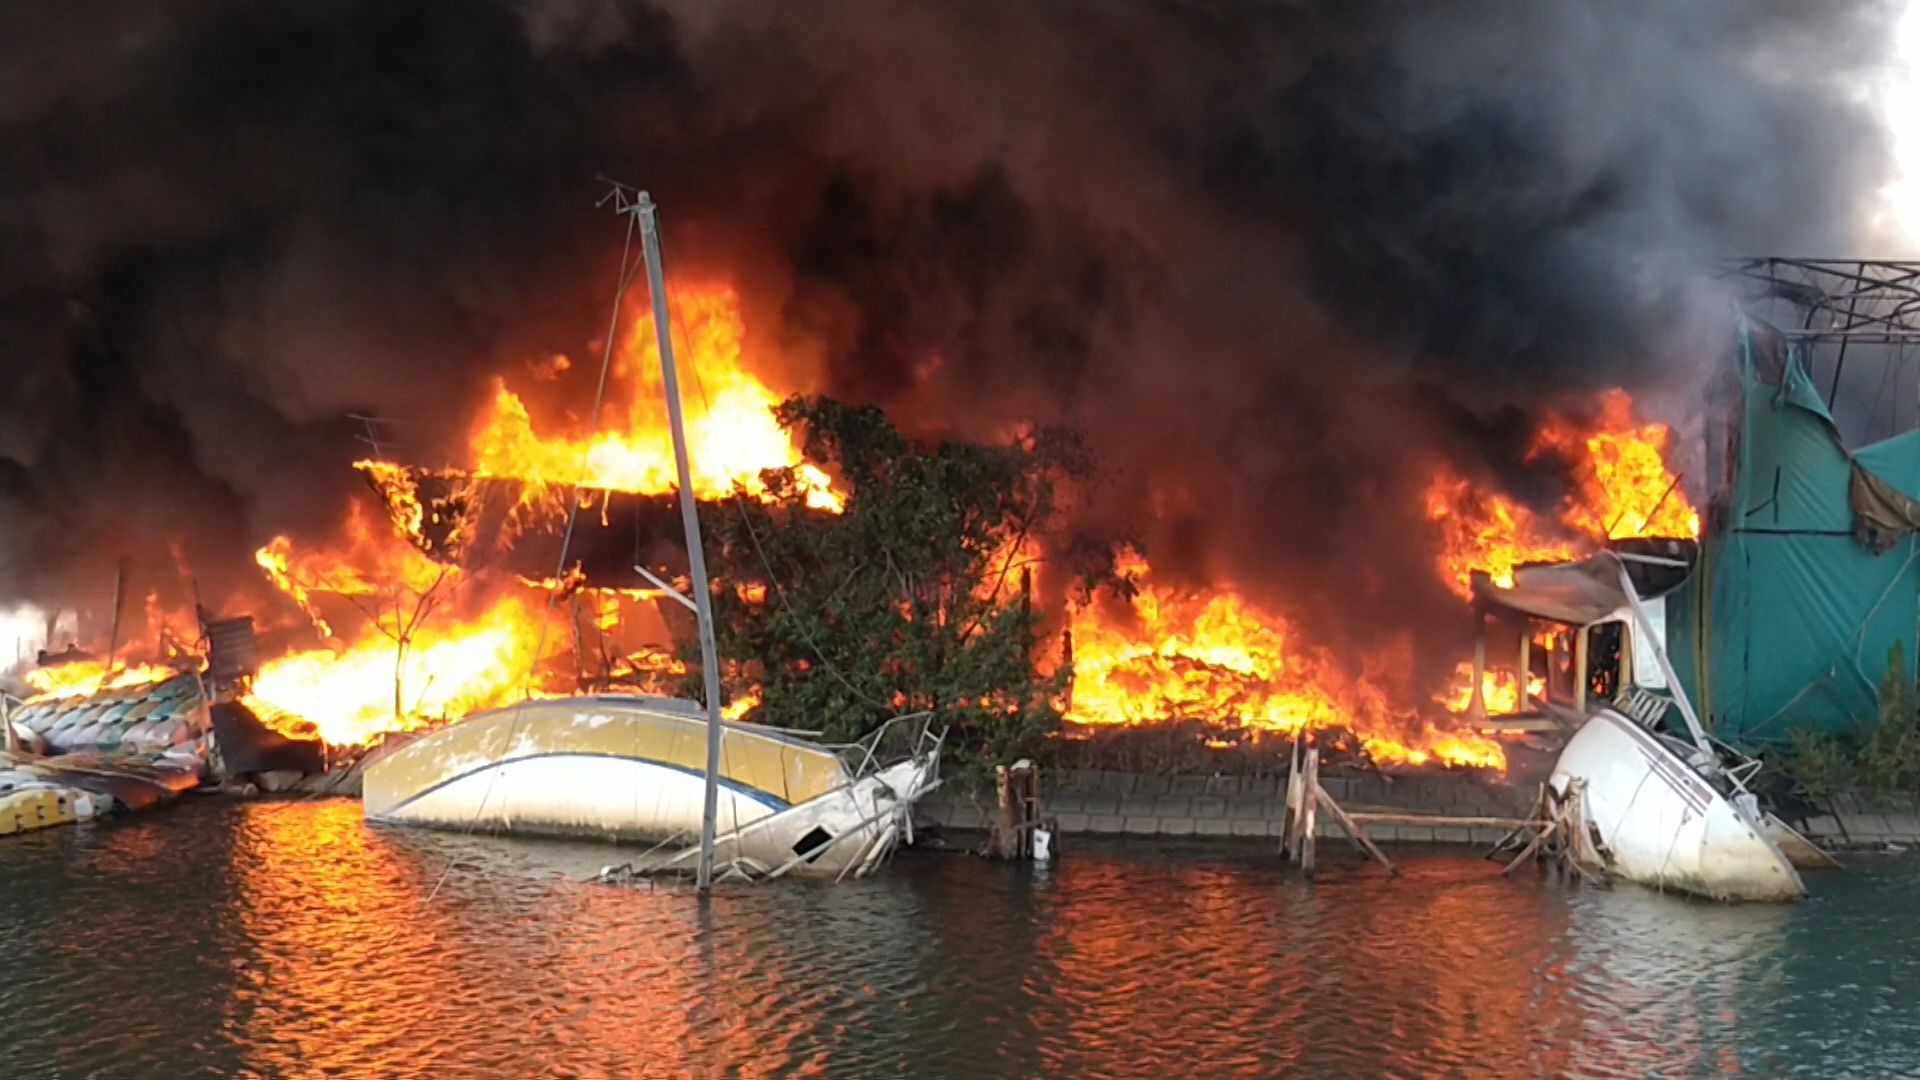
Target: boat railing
903 737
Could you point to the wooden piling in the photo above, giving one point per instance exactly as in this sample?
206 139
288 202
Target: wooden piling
1305 797
1526 663
1310 785
1476 701
1561 835
1290 813
1580 669
1017 810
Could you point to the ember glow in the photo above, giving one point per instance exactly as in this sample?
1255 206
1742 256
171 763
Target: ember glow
1172 653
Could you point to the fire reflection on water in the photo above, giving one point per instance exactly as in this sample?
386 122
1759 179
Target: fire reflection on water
294 939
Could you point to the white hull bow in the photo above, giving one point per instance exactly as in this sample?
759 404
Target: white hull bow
1661 824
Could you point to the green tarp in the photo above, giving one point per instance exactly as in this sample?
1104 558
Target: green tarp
1808 573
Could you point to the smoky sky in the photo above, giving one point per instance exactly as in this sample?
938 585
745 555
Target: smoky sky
1274 261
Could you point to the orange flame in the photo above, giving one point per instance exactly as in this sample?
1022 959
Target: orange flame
421 647
1499 690
1486 532
1177 654
1622 488
78 678
1625 488
473 643
731 432
366 688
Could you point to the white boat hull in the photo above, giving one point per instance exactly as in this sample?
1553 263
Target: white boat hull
1661 824
631 769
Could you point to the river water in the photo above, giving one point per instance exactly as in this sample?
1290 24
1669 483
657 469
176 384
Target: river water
222 938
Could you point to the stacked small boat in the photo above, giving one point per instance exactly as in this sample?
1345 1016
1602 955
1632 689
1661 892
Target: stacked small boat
86 756
161 718
31 798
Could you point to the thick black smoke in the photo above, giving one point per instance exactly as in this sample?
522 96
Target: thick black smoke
1273 259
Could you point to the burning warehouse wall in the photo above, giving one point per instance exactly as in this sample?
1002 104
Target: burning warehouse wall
1296 265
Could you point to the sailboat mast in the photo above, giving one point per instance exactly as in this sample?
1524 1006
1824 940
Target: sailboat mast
690 520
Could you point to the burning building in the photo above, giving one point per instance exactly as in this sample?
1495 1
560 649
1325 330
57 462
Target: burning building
1342 306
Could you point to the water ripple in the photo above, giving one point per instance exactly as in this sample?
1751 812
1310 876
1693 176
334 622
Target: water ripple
291 939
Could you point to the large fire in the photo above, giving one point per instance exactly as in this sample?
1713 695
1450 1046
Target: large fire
421 645
433 642
404 640
1622 488
78 678
731 432
1172 653
1499 690
1218 657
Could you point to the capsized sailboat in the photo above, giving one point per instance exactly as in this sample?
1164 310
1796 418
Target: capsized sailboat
1671 811
629 768
758 802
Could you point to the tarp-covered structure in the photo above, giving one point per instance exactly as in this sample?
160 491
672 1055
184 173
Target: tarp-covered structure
1808 571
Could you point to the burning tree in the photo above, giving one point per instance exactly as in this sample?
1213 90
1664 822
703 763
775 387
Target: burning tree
914 597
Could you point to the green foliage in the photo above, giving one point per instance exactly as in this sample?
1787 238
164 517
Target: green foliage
910 600
1821 763
1890 754
1884 757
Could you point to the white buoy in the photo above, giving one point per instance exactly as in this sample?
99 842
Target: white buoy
1042 845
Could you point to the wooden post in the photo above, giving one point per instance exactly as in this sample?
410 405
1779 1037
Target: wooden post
1017 811
1309 784
1526 661
1533 846
1036 813
1359 835
1290 814
1001 845
1026 792
1477 703
1546 684
1580 669
579 647
113 637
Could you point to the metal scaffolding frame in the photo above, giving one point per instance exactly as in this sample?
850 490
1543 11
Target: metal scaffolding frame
1868 301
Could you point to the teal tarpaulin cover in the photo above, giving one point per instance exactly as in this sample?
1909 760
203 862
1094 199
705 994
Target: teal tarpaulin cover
1787 622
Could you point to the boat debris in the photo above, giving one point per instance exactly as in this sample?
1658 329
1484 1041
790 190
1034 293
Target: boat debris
1633 800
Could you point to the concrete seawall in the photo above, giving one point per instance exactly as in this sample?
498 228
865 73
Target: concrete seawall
1138 804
